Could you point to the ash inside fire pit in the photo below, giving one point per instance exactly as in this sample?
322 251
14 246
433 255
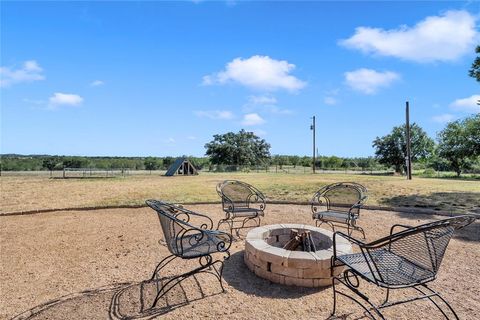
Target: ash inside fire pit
293 254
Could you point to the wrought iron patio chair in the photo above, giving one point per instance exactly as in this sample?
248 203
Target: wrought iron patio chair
409 258
186 241
242 203
339 204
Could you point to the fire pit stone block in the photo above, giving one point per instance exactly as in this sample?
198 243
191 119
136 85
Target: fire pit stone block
265 256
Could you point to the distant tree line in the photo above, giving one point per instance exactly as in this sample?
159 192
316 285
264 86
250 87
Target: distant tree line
457 147
15 162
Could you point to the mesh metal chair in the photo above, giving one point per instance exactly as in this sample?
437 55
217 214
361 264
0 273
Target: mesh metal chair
339 204
242 203
409 258
186 241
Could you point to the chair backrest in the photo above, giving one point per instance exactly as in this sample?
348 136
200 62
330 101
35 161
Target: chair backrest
423 246
340 197
174 222
240 194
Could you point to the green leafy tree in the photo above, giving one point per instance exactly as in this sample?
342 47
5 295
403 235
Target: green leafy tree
333 162
151 164
50 164
294 160
167 162
472 133
74 162
474 71
242 148
391 150
306 161
459 143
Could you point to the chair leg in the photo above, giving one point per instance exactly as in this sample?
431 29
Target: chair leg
219 272
170 284
332 267
436 305
345 280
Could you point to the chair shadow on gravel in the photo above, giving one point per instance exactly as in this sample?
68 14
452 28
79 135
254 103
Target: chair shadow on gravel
120 301
237 275
455 202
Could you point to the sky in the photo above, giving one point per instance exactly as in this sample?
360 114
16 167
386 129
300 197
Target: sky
161 78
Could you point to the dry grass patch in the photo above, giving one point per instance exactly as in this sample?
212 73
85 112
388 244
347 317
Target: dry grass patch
20 193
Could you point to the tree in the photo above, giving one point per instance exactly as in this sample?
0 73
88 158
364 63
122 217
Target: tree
472 134
151 164
474 71
74 162
242 148
459 143
50 163
294 160
167 162
333 162
391 149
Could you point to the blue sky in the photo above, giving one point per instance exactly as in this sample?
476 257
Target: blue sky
157 79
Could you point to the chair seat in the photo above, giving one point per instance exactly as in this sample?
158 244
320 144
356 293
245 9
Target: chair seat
198 244
336 216
246 212
394 270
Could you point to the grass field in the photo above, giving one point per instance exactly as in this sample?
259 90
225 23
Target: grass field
33 192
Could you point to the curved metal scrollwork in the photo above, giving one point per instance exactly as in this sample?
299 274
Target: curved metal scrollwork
347 275
241 203
186 241
339 204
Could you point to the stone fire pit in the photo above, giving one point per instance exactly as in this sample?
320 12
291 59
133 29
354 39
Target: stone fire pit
265 256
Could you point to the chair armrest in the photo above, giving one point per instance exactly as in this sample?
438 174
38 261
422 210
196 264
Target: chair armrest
399 226
358 204
228 205
350 239
259 199
226 239
207 225
191 237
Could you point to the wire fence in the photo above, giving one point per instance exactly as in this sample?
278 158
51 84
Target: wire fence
292 169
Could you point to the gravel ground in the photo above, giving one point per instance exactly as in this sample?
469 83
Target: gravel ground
93 265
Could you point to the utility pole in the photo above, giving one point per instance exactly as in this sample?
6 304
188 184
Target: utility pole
312 127
409 156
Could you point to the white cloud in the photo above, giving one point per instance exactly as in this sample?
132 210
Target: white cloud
262 100
215 114
470 104
64 99
30 71
331 101
266 103
258 72
252 119
436 38
369 81
192 138
97 83
444 118
170 140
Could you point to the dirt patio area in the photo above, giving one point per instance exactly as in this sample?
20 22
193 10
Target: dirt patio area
93 265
